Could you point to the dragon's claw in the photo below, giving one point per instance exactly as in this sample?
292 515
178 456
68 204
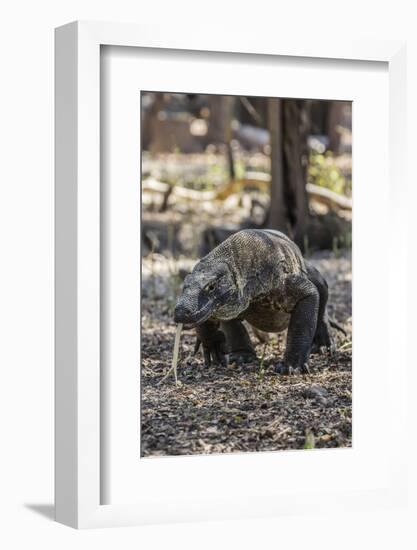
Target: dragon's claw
288 369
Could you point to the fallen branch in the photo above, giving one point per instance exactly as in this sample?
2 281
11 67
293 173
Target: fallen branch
328 198
260 181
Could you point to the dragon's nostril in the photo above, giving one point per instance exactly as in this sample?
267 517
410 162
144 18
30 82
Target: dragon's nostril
181 313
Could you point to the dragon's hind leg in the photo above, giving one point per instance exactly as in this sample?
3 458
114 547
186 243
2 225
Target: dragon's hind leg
323 337
238 344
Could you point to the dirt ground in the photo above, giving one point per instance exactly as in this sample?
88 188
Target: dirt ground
241 408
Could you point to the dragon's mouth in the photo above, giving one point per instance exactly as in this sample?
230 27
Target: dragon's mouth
196 319
202 318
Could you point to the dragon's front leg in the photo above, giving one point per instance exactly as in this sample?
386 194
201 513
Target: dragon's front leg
213 342
302 327
238 344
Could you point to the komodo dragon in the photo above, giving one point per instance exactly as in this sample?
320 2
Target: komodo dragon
261 277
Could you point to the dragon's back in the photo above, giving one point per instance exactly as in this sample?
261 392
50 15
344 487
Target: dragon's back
259 252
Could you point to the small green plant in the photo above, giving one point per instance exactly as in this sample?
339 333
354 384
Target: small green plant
261 364
309 442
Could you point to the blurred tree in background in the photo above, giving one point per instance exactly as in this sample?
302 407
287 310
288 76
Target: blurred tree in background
221 163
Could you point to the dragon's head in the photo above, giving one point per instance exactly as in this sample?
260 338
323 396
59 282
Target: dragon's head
209 291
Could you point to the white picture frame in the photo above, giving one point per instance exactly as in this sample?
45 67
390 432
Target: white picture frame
78 265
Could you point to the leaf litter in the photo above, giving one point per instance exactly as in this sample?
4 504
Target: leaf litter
248 408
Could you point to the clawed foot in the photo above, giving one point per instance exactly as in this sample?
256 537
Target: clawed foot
323 350
214 350
288 370
323 341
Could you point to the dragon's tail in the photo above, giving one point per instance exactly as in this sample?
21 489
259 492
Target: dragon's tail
337 326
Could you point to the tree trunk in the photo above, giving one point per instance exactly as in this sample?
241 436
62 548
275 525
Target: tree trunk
287 121
220 125
334 120
278 216
295 167
219 119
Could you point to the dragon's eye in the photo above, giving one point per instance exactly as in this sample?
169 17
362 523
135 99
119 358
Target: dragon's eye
210 287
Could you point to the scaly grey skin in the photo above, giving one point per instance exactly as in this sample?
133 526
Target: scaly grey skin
258 276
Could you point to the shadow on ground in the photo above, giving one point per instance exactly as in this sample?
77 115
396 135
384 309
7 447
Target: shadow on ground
45 510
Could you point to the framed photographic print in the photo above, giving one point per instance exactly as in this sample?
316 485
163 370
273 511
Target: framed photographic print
221 209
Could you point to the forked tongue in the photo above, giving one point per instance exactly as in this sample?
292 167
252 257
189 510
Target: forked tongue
176 351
